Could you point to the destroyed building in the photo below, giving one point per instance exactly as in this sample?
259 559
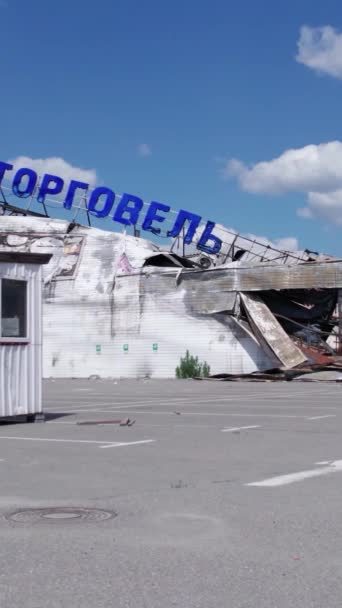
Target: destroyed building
119 306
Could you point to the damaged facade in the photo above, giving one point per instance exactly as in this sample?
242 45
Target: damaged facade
119 306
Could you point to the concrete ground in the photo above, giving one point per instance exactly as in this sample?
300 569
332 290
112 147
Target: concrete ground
178 523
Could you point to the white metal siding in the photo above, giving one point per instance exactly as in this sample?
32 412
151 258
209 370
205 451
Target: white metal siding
20 364
74 327
98 307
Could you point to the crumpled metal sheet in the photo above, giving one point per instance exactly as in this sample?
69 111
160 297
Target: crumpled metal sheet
270 333
308 275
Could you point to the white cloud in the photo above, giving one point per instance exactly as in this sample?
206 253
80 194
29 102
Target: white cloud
326 204
144 150
287 243
315 170
312 168
304 212
320 48
56 166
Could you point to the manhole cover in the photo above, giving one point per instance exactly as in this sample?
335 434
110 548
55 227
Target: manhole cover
60 514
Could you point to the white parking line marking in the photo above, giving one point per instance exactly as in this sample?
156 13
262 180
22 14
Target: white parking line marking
102 444
53 440
149 425
141 403
321 417
122 444
212 414
282 480
170 412
240 428
229 404
220 402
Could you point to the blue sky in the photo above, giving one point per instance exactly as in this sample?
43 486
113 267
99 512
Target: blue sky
199 84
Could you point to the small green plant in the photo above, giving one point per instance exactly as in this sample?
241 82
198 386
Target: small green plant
190 367
205 370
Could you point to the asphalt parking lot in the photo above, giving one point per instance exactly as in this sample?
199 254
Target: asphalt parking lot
219 495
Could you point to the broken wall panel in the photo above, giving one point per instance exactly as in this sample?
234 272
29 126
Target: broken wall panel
270 332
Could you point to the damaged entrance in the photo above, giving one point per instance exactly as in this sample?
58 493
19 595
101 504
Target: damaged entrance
297 326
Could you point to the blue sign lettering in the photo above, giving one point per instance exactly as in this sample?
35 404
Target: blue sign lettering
133 212
108 203
73 186
46 187
182 217
208 236
153 216
30 185
3 168
101 201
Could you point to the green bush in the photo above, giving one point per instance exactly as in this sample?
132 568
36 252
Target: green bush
190 367
205 370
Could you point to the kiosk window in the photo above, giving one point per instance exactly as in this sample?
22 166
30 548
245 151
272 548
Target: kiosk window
13 308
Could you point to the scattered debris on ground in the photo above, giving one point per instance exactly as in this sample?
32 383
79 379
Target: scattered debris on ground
125 422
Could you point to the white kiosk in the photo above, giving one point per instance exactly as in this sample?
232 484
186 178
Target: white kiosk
21 334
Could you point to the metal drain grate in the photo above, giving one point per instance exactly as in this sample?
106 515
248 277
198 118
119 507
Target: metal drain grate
56 515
